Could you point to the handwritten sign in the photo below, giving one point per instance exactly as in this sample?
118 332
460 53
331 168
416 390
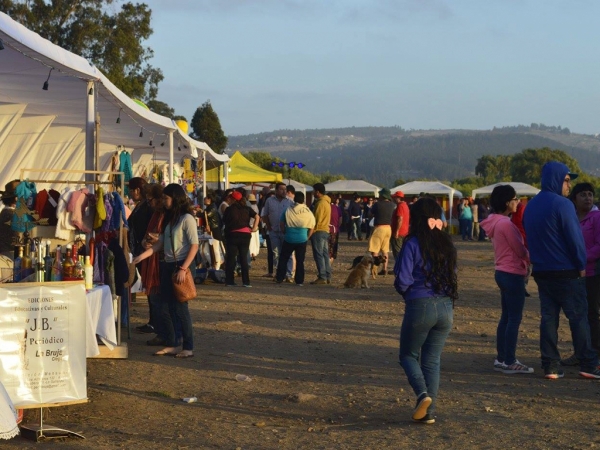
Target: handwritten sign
42 343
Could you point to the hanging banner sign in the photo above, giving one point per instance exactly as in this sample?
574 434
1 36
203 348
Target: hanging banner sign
42 343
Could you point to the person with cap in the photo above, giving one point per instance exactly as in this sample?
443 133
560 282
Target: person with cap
8 237
238 230
558 254
382 213
400 221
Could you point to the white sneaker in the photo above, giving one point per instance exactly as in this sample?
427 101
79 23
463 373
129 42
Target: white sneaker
517 367
499 366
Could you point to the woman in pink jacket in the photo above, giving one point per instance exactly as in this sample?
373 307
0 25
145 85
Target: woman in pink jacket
512 261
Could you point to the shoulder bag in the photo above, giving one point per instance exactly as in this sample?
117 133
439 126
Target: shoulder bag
185 291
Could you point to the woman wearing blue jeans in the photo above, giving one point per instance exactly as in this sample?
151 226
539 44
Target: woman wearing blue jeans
512 263
426 277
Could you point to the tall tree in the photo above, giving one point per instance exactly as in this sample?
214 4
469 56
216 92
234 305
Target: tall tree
527 165
113 41
206 127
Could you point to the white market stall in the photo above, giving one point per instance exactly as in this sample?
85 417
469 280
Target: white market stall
352 186
430 187
59 111
522 189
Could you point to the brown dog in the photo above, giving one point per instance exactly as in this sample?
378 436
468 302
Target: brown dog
360 274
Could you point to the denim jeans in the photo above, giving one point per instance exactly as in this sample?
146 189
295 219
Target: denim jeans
426 325
174 312
592 285
320 247
466 228
570 295
286 251
277 239
512 294
356 230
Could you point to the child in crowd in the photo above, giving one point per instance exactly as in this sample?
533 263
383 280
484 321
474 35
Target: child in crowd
426 277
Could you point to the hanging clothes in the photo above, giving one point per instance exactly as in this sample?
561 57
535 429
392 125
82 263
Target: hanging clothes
125 166
63 224
46 203
118 212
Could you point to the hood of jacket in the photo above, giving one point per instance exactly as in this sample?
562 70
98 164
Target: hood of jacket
553 176
489 224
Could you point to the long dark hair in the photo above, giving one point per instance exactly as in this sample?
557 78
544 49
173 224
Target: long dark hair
437 249
181 205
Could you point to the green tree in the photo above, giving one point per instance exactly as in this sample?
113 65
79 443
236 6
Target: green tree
161 108
112 40
494 169
206 127
527 165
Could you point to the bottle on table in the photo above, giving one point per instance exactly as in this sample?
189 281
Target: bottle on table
26 262
88 270
57 265
47 263
67 265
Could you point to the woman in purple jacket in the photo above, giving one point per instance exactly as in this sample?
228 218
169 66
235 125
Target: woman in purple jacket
426 277
589 220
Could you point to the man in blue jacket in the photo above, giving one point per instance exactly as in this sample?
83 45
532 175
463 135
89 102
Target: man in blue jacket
558 255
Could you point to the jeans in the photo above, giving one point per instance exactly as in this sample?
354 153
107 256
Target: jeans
320 247
512 294
286 251
356 232
570 295
466 228
237 243
592 285
426 325
269 255
174 312
277 239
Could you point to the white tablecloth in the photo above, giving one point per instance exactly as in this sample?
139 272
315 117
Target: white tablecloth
100 320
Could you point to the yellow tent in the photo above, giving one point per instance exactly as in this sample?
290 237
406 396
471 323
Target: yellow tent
243 171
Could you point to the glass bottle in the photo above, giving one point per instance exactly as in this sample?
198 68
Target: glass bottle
78 268
18 265
89 273
67 266
47 263
26 262
57 266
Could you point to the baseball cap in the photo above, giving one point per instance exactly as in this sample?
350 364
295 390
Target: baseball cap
398 194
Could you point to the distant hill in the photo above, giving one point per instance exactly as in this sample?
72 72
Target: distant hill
382 155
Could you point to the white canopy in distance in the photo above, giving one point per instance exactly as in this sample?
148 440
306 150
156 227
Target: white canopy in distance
522 189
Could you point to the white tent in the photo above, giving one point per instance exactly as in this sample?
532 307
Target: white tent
430 187
351 186
522 189
54 127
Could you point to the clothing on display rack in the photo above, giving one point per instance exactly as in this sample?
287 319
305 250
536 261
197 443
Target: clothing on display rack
125 166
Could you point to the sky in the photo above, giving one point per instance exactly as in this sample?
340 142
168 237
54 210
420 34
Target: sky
419 64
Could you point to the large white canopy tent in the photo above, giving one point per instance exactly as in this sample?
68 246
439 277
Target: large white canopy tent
430 187
351 186
55 128
522 189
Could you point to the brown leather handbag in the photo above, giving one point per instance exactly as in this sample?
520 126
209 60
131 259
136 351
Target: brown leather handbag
186 291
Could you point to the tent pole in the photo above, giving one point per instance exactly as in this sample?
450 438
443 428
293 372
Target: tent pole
203 174
171 170
90 125
226 170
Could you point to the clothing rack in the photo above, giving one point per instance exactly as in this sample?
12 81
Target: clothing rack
98 173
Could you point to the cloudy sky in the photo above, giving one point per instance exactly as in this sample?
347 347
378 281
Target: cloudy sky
423 64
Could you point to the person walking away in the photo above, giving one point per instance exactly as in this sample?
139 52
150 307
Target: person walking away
179 239
214 228
512 262
298 223
320 236
400 222
465 220
271 215
355 213
557 252
425 276
589 220
382 212
236 220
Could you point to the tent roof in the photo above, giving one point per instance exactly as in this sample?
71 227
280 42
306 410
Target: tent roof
243 171
429 187
27 61
351 186
522 189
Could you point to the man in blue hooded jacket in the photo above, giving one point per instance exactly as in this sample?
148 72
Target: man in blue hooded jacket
558 255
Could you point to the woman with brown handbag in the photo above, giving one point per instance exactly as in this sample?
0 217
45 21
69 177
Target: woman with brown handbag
179 240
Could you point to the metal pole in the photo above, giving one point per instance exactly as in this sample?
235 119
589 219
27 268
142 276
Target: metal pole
90 125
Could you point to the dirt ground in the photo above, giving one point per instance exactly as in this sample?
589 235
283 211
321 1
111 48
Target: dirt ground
322 364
